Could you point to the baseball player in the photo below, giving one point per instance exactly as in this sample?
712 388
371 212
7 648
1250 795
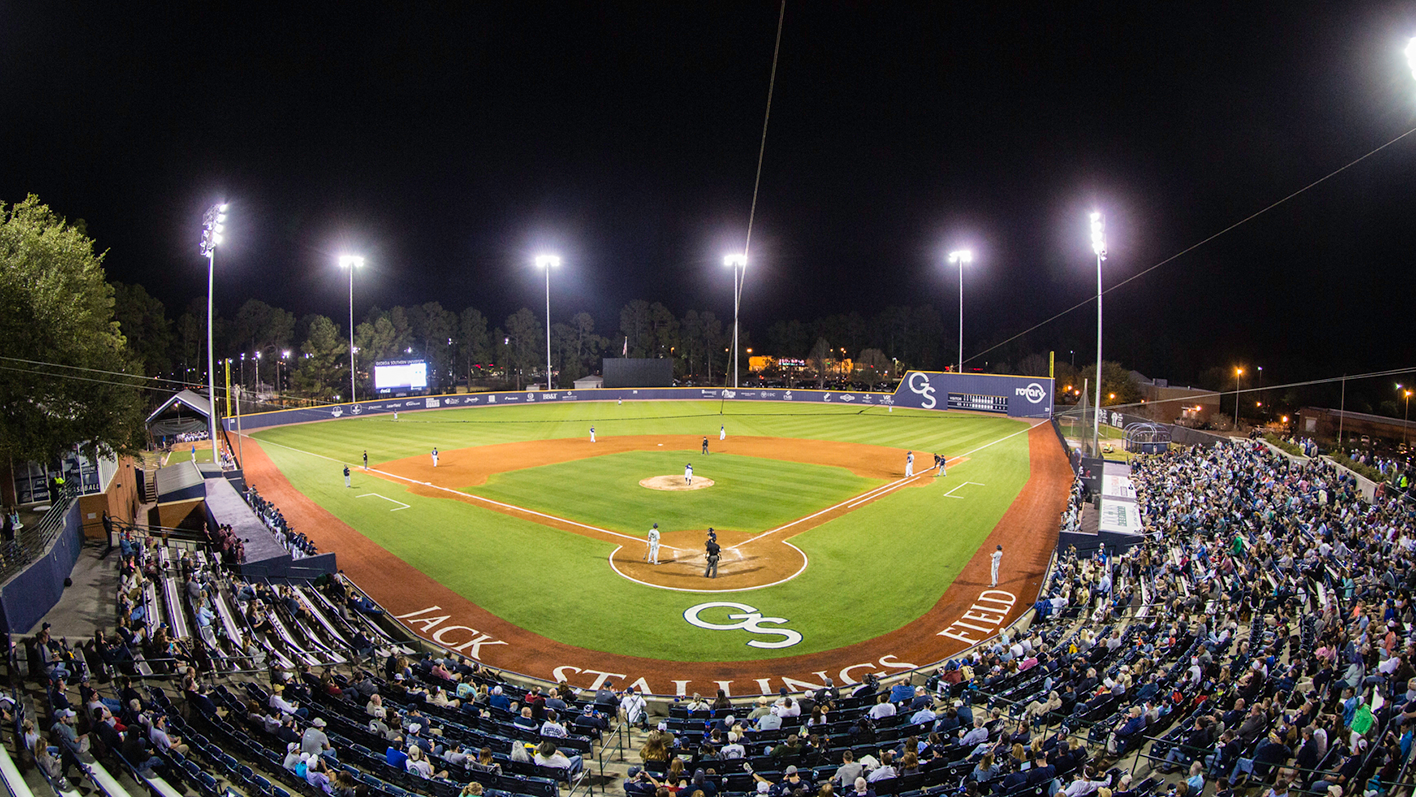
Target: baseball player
395 415
712 535
688 473
652 557
909 463
705 446
997 557
346 476
366 459
435 457
714 552
722 433
592 434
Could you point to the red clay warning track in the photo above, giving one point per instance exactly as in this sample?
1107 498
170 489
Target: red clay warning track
969 609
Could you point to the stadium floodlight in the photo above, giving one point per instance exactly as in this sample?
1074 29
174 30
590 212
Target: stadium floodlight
738 263
1098 236
548 262
962 257
351 262
213 225
1411 55
1406 394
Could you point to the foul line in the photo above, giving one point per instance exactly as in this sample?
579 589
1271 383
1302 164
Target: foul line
802 569
461 494
401 506
851 503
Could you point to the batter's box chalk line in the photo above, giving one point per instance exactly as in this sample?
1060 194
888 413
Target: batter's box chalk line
950 494
401 506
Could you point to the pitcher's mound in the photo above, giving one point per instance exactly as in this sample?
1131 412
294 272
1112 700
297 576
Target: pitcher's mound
675 483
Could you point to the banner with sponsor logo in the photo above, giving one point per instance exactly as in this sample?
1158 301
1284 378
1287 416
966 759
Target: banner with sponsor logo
1016 396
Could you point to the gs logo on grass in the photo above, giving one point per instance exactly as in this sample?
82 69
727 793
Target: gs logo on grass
749 620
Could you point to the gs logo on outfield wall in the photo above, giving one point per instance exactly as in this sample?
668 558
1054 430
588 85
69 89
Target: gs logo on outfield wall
749 620
918 382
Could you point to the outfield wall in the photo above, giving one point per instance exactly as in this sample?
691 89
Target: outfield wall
1014 396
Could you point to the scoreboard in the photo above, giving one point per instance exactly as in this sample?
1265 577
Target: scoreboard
978 401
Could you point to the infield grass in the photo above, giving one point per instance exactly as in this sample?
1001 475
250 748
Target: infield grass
871 571
748 493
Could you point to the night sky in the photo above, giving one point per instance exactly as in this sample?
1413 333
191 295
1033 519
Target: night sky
450 143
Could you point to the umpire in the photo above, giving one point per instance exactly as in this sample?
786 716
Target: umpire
714 551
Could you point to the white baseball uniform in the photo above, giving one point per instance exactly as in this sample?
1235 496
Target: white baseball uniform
654 546
722 433
592 434
688 474
997 557
909 464
435 457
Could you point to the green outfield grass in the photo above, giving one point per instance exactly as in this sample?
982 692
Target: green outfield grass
747 494
871 571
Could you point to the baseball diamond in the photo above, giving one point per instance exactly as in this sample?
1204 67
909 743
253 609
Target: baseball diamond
525 547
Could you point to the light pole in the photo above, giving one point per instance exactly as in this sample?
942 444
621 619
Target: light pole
1098 235
738 263
1238 372
284 361
351 262
548 262
961 257
258 374
213 225
1406 415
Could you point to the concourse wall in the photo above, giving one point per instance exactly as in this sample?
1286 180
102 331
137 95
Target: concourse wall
1014 396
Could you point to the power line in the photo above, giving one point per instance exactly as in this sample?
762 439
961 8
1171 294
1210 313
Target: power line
1193 247
762 148
94 370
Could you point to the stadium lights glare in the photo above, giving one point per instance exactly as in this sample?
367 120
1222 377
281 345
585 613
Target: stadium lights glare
544 261
351 262
1411 55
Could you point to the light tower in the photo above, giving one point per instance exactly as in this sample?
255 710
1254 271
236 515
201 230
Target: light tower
213 225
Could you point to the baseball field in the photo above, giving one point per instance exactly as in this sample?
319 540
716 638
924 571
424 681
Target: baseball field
525 546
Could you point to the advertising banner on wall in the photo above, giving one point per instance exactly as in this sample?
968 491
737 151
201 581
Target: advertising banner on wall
1016 396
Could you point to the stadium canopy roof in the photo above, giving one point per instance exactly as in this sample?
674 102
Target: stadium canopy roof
186 397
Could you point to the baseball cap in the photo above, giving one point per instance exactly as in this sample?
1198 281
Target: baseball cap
791 770
634 771
318 723
763 787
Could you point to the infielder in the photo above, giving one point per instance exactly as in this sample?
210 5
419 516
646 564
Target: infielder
366 459
714 552
909 464
722 433
346 476
705 446
943 465
592 434
688 473
652 557
997 557
435 457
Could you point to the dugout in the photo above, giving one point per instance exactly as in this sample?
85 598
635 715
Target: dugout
637 372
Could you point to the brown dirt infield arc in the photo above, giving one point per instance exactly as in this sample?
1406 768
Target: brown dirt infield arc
1028 530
